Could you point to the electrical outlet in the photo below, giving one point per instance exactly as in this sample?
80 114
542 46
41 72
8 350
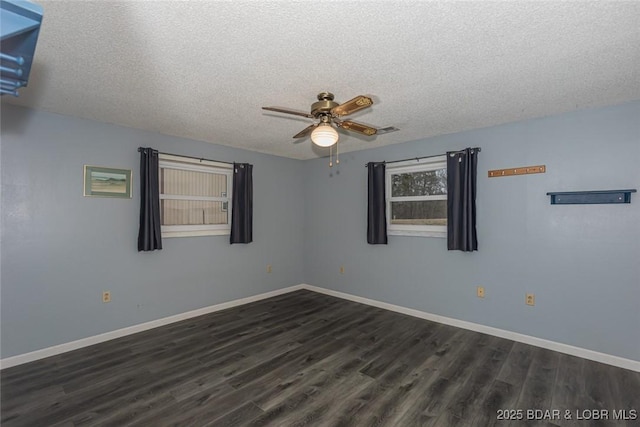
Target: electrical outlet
342 269
530 299
480 292
269 269
106 296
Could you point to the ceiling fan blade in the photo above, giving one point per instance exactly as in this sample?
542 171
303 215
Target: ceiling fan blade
288 111
357 127
351 106
304 132
387 129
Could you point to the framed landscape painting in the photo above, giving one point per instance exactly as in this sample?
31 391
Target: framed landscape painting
107 182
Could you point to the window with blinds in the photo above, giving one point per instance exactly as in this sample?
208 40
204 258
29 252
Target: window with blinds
194 197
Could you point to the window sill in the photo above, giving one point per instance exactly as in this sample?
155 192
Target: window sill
414 233
197 233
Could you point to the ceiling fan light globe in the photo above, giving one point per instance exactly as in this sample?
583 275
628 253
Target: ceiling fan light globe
324 135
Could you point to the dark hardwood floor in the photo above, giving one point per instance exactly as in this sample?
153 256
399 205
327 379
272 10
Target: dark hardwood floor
305 358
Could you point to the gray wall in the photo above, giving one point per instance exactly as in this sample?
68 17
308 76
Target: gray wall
582 261
60 250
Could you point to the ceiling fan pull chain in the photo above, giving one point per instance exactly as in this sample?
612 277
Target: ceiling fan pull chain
338 153
331 156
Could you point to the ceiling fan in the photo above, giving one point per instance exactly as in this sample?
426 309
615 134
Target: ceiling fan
329 113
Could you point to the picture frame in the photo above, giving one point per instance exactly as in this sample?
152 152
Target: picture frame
107 182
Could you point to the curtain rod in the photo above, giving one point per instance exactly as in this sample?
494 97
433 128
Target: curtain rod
423 157
190 157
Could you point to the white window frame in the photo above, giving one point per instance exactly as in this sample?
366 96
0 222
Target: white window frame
421 165
197 165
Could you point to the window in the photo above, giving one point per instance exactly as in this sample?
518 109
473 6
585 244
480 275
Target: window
194 197
417 197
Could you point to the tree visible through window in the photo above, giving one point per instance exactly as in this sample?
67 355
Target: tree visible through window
417 197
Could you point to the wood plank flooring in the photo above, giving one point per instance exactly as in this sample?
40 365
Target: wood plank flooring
307 359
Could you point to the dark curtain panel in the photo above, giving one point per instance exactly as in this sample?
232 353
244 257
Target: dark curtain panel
149 238
242 204
376 207
461 200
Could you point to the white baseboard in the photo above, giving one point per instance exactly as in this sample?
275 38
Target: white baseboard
514 336
609 359
96 339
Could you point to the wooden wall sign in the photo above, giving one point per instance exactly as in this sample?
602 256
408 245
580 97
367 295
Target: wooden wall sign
517 171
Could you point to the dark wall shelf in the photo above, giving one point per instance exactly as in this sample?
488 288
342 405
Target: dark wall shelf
590 197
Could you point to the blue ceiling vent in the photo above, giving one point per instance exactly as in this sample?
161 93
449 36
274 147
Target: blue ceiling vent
19 27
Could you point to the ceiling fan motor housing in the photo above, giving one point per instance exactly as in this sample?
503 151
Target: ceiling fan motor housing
324 105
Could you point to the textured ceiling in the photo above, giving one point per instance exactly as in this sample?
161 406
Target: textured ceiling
203 69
